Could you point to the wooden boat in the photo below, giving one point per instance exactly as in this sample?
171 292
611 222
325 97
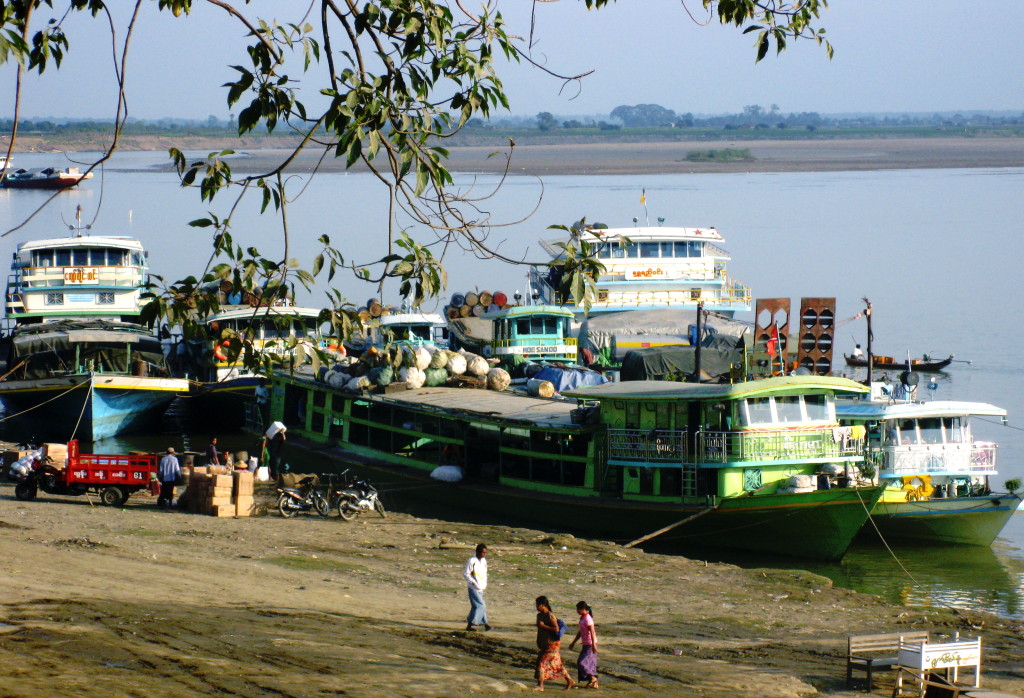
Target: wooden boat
45 178
723 466
938 478
891 363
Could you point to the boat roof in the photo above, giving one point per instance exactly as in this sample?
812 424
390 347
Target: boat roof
662 390
648 233
411 319
490 406
248 312
524 310
884 409
82 241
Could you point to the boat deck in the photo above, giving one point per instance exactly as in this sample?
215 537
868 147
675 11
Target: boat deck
508 407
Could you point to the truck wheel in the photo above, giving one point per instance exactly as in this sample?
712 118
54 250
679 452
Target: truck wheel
112 497
26 491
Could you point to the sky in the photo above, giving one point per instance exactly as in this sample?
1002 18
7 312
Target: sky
889 57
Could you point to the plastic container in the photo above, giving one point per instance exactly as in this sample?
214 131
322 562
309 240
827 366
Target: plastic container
499 298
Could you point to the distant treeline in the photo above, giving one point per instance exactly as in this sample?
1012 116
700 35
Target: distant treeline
625 121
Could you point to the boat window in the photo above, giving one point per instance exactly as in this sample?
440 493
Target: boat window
42 258
817 408
696 248
788 408
604 250
420 332
908 431
98 257
955 427
632 249
117 258
666 249
617 250
681 249
650 249
759 410
931 430
63 258
137 260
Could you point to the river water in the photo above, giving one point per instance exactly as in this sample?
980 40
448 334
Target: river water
936 251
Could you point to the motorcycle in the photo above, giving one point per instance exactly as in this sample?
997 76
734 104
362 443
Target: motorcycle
306 497
356 497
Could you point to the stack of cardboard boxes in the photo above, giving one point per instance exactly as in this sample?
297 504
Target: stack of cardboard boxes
217 491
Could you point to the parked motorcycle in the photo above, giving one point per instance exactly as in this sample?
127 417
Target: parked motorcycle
306 497
353 498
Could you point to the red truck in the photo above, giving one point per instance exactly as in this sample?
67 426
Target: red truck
114 477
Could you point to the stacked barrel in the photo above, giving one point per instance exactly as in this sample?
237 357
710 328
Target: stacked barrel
475 304
372 310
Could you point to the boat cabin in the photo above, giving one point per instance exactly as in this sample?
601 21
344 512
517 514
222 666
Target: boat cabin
653 267
925 449
77 277
532 332
724 440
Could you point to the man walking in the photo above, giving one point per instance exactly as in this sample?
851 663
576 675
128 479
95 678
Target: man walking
168 473
476 579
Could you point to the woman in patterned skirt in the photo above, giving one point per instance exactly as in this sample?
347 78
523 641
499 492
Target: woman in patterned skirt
586 664
549 642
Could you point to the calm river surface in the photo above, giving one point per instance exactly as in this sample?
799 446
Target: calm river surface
938 252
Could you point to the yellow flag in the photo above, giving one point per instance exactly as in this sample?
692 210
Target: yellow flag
643 197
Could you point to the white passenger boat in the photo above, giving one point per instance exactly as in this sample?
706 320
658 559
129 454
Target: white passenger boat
650 267
79 364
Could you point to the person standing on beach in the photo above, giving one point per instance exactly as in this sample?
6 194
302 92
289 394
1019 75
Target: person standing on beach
476 581
549 642
168 472
586 664
212 457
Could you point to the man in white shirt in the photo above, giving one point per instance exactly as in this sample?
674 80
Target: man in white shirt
476 579
858 353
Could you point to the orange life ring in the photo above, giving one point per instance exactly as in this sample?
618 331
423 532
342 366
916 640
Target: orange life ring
218 350
337 348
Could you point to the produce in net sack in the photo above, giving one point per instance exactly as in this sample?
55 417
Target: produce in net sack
475 365
413 376
382 376
439 359
434 377
498 379
456 364
422 358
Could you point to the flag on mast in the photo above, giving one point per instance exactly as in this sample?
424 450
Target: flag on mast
772 346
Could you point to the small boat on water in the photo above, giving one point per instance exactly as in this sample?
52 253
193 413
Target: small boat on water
79 364
926 363
938 478
43 178
649 267
722 466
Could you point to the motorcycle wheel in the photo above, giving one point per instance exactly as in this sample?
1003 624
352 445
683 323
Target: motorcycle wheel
283 506
26 491
322 506
346 511
380 508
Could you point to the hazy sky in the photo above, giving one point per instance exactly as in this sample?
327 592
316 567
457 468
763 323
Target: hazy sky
938 55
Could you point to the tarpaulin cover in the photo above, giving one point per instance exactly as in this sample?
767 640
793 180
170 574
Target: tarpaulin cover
569 378
600 333
675 363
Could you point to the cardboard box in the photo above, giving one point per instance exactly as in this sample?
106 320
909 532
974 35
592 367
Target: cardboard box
200 470
221 481
223 511
219 501
58 453
243 483
245 506
218 492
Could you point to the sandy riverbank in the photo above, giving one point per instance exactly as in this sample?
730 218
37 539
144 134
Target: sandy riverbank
140 602
261 155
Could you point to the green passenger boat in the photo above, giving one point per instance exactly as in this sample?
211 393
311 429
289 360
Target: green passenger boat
726 466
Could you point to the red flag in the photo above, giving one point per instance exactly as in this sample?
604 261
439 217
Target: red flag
773 341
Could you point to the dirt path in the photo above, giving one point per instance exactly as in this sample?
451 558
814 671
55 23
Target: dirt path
135 601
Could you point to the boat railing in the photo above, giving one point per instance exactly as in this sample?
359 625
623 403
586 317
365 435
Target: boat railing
535 342
731 446
47 277
937 458
647 444
731 296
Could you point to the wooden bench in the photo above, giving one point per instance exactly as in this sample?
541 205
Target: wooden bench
869 652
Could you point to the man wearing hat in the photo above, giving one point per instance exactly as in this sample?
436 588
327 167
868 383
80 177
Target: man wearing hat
168 473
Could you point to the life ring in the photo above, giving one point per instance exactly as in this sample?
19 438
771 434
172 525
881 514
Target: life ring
218 350
337 348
